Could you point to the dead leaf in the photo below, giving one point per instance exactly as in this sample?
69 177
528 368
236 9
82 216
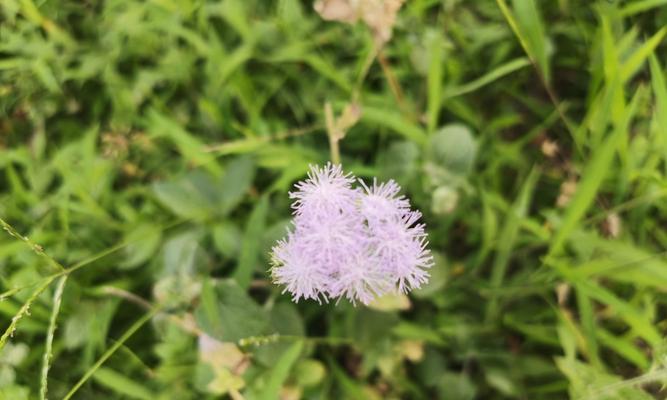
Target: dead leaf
350 116
611 226
567 190
549 148
378 15
338 10
220 354
562 293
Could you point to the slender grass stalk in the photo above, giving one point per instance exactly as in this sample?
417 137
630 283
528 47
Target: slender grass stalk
110 351
48 348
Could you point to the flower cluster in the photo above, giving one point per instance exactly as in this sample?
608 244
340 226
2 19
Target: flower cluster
358 243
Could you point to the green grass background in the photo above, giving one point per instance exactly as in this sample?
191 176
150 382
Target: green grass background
146 151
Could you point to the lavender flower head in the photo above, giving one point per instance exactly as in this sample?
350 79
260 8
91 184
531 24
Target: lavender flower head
346 242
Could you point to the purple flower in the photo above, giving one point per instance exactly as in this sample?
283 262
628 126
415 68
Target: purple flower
350 243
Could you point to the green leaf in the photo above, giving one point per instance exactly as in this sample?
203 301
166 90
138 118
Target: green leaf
453 148
236 181
121 384
636 59
394 121
638 6
227 313
624 347
200 195
143 241
532 30
641 325
508 235
434 78
490 77
399 162
596 170
438 279
587 382
527 25
660 92
181 254
309 372
161 126
227 238
250 246
190 196
457 386
280 371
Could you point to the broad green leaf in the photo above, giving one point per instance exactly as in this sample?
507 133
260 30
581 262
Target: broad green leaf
309 372
181 254
399 162
143 241
227 238
453 148
200 195
237 179
161 126
225 312
457 386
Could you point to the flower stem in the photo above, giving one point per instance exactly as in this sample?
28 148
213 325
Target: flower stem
334 137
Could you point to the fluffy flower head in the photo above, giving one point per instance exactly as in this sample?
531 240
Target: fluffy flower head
346 242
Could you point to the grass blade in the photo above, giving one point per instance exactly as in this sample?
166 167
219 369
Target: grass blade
660 93
595 172
531 28
635 61
434 80
250 246
122 384
636 7
509 234
395 122
279 372
642 327
495 74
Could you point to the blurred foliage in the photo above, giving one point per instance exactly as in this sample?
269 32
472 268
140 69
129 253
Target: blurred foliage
146 151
